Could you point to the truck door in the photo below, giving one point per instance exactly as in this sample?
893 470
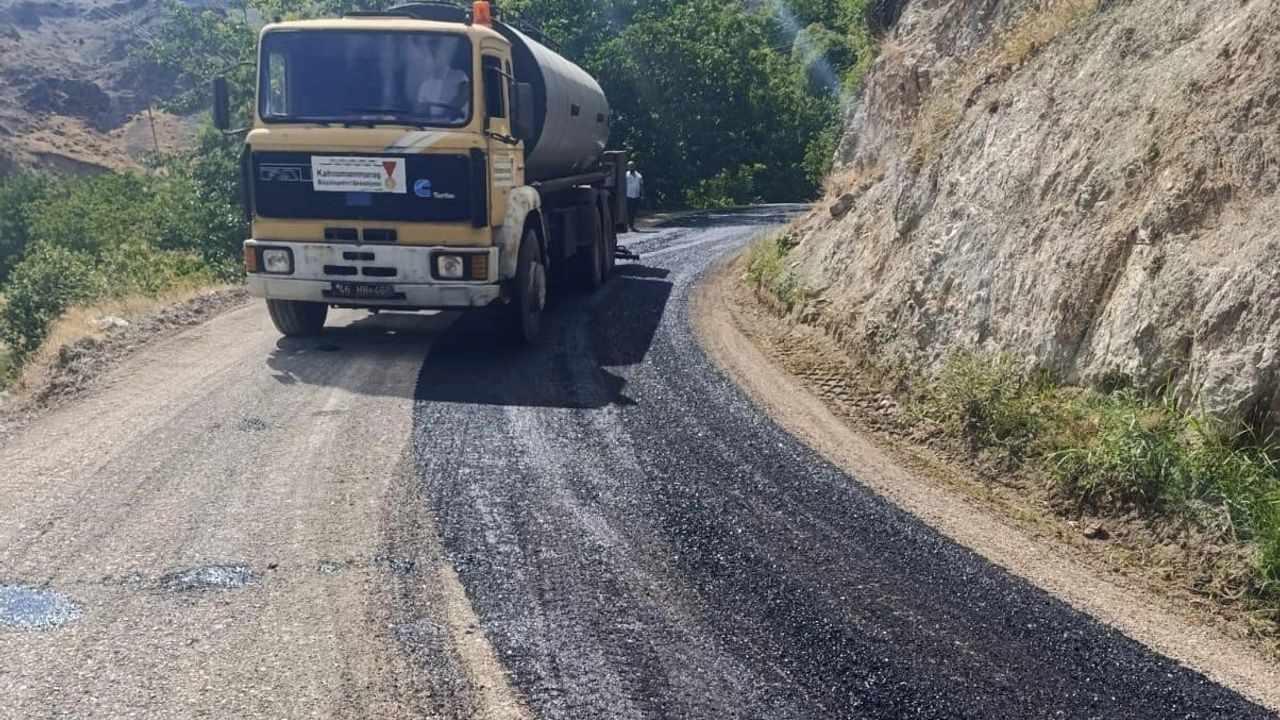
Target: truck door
504 153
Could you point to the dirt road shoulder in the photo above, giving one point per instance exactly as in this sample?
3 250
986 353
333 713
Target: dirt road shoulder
743 341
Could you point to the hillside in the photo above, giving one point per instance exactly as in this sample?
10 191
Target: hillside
71 98
1090 186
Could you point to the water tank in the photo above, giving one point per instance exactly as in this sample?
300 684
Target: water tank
571 114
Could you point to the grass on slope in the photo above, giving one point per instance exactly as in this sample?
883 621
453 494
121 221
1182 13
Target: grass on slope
1107 451
1110 450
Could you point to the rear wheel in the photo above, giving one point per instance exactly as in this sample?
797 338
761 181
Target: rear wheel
588 265
529 291
295 318
610 244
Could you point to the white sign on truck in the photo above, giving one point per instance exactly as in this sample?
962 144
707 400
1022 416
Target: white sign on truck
358 174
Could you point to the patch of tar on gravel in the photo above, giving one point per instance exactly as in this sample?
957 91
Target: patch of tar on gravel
251 425
416 632
398 566
209 577
29 608
332 567
131 580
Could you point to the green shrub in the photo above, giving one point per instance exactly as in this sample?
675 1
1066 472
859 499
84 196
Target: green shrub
96 214
147 271
765 270
729 188
115 235
989 403
49 280
186 209
201 204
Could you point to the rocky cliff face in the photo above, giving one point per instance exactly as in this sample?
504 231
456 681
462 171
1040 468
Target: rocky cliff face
71 97
1089 185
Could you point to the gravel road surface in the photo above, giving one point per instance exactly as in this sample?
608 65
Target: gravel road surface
230 528
400 519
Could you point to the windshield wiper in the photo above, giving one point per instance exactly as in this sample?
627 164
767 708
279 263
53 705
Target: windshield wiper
381 110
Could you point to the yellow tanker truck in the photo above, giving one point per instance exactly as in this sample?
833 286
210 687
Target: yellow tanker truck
427 157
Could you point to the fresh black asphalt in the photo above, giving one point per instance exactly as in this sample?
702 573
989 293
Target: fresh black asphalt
639 541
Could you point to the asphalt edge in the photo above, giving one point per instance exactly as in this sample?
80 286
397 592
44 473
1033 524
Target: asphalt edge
1103 595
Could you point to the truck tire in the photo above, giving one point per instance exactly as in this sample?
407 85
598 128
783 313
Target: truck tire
295 318
609 258
529 292
588 263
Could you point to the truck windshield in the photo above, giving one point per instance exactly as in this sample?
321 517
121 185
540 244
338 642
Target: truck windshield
365 77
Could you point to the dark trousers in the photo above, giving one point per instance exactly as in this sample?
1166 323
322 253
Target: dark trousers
633 205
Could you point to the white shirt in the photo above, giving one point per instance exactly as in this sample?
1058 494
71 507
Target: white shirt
634 182
435 91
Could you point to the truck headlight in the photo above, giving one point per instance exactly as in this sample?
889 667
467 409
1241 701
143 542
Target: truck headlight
277 261
450 267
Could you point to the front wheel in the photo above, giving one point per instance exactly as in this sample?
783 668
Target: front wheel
529 292
296 318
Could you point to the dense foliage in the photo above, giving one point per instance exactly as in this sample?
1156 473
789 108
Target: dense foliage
67 241
719 103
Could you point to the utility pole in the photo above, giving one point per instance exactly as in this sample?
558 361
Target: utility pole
154 137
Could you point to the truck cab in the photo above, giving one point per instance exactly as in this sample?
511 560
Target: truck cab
388 168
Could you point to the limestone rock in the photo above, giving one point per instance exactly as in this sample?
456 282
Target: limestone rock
1092 186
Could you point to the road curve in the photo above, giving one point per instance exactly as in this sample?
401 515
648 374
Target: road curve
640 542
404 518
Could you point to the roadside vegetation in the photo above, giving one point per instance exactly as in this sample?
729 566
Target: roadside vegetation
765 269
1114 451
68 242
1109 455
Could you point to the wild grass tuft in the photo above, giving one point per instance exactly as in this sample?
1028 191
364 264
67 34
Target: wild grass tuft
766 272
1035 30
989 403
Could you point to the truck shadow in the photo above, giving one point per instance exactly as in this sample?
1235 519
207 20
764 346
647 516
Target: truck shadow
383 340
582 336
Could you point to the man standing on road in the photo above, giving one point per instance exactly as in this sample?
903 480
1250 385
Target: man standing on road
635 194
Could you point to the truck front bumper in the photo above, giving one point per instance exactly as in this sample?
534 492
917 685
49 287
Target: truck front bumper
383 276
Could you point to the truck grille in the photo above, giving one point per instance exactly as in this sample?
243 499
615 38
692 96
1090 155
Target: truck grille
282 189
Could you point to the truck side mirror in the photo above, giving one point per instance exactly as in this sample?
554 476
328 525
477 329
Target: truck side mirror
221 104
522 112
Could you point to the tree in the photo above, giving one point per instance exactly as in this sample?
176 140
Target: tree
17 193
705 99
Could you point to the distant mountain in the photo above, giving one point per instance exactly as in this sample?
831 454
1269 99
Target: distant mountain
71 98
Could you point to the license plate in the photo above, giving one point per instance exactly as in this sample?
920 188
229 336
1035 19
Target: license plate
365 291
